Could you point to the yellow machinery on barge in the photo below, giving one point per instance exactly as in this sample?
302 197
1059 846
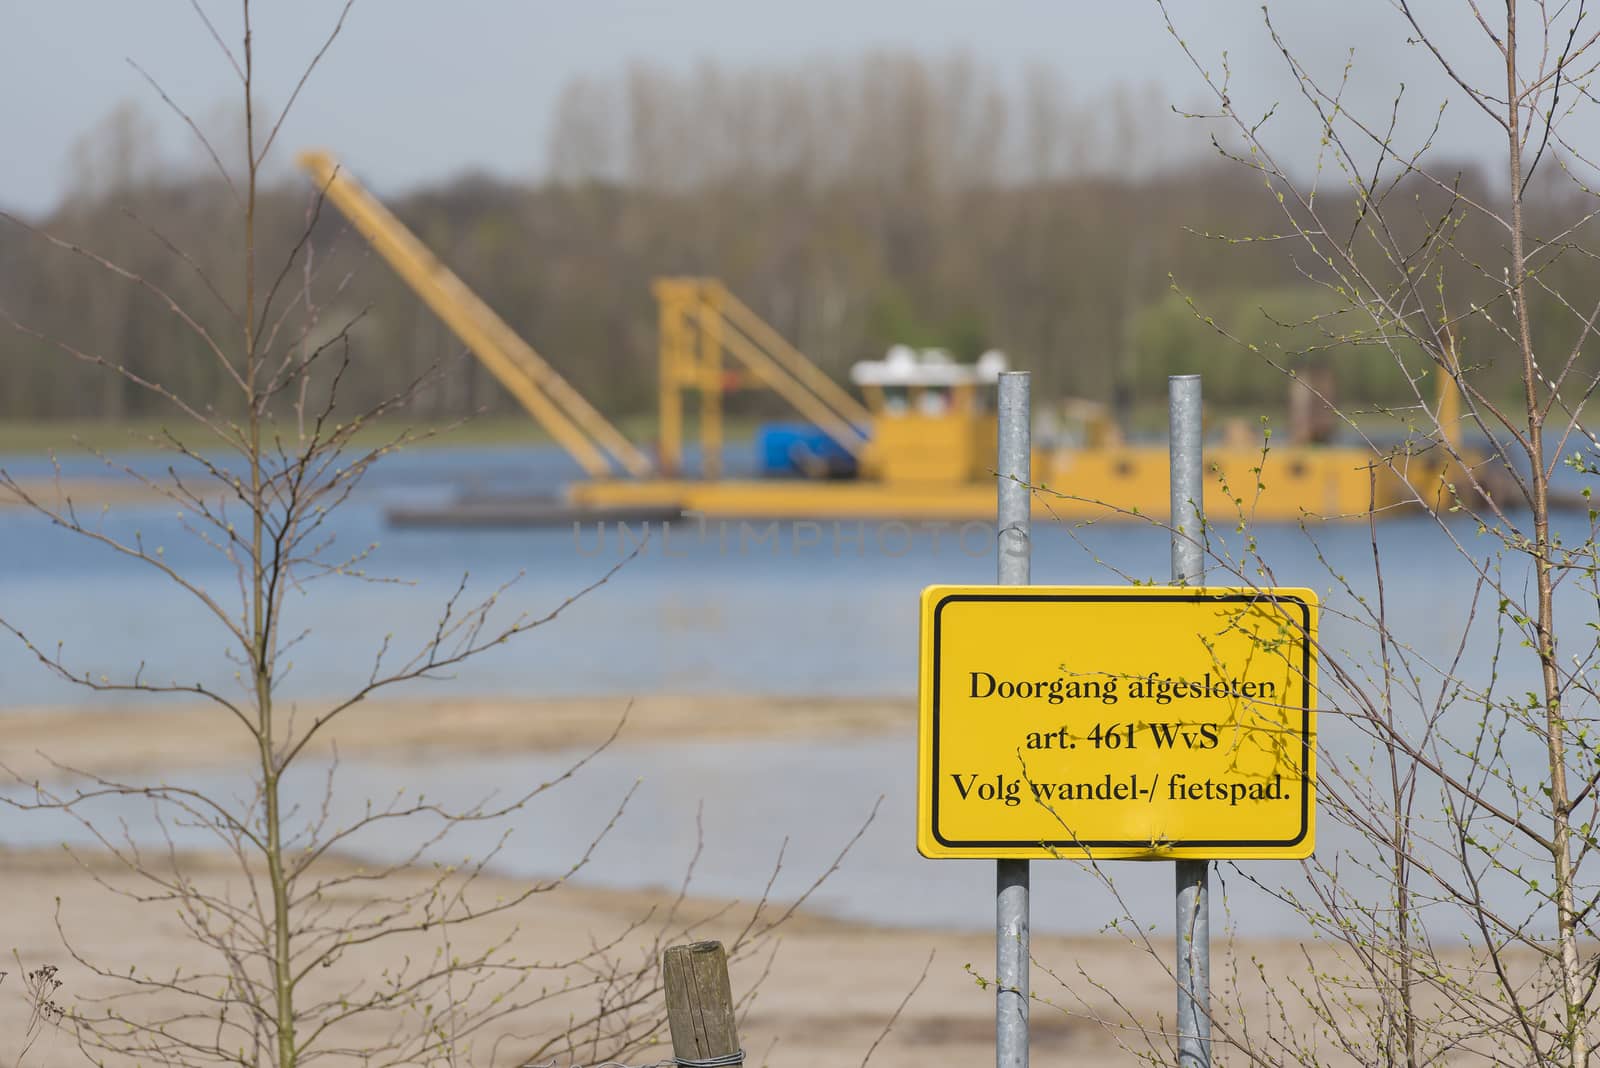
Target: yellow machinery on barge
919 445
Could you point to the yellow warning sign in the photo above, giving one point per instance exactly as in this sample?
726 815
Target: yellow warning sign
1138 722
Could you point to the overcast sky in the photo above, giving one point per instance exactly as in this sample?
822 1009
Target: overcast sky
419 90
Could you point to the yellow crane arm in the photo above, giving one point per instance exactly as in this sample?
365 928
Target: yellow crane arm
792 360
806 402
570 419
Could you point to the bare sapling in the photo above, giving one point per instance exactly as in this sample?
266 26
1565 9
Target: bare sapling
296 948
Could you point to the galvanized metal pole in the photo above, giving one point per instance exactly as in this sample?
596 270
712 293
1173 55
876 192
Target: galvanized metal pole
1193 876
1014 468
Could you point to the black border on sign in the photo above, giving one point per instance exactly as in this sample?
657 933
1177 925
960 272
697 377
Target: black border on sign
1102 598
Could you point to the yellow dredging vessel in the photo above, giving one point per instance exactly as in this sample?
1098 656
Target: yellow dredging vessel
919 444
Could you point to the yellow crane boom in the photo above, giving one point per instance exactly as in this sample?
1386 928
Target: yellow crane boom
846 409
570 419
786 385
700 323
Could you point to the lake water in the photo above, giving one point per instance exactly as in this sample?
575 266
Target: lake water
808 609
811 609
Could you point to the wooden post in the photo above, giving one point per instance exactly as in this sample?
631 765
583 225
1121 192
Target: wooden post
700 1004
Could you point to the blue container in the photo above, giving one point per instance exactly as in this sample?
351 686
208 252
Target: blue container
784 450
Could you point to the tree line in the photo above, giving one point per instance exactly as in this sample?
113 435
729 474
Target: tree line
855 203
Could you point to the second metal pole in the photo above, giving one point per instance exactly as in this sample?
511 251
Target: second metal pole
1014 468
1193 876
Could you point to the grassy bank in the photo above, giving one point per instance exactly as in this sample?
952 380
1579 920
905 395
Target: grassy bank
38 437
80 436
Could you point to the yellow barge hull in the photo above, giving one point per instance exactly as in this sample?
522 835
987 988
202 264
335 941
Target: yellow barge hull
1328 483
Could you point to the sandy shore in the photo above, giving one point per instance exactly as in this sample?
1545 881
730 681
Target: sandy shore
823 999
821 992
87 495
123 740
